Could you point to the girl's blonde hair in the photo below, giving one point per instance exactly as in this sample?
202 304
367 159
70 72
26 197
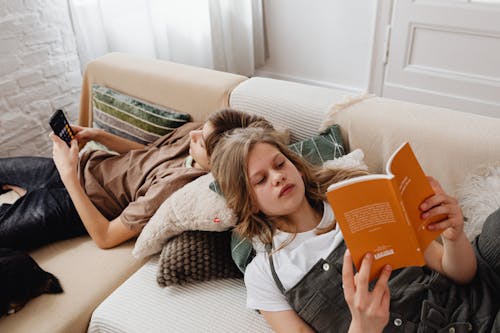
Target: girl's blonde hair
229 167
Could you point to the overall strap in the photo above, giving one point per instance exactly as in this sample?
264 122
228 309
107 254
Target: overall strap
269 250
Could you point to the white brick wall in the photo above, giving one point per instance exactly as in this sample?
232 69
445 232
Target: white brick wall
39 72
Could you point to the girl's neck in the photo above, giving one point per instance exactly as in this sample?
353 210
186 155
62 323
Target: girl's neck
304 219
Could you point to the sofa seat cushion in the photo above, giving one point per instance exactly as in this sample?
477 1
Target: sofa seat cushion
140 305
86 273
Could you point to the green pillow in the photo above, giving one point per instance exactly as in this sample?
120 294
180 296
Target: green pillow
132 118
242 251
326 146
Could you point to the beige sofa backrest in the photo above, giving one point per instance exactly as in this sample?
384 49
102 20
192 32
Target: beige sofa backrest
194 90
448 143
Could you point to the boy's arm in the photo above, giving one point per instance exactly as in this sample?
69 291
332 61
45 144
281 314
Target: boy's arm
455 258
112 141
105 233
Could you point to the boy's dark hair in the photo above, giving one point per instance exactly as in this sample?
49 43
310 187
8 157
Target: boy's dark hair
228 119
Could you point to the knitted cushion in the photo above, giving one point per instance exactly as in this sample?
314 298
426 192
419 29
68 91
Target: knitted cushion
196 256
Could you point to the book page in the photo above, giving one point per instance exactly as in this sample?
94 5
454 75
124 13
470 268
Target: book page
372 220
414 188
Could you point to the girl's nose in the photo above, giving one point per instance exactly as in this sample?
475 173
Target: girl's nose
278 178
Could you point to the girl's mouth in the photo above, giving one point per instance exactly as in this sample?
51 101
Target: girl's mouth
286 189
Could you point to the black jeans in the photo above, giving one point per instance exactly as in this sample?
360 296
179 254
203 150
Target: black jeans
45 214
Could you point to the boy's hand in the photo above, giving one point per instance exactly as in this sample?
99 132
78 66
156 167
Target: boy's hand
442 203
369 309
65 158
84 134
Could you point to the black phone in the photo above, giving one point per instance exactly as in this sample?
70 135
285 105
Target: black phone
60 126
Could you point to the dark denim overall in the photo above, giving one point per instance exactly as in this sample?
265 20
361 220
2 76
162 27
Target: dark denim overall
421 299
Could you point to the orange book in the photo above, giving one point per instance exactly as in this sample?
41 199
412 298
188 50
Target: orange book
379 213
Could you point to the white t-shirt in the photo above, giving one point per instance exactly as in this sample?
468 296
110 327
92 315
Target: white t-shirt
291 263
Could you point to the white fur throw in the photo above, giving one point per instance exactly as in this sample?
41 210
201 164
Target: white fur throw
479 196
192 207
355 159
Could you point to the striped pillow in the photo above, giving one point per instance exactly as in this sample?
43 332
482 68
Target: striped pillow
132 118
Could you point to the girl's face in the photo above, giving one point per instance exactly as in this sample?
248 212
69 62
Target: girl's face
197 148
277 184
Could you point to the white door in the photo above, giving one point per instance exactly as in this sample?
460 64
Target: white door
445 53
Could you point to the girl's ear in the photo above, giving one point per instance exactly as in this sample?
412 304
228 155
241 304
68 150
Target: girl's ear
255 209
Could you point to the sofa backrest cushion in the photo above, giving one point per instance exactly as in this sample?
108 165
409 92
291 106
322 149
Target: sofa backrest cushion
448 144
299 107
194 90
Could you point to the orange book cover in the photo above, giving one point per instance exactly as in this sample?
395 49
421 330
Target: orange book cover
379 213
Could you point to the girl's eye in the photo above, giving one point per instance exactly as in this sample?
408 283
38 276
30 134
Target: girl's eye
280 165
260 181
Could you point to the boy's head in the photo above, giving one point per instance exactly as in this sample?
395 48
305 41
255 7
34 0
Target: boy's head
203 141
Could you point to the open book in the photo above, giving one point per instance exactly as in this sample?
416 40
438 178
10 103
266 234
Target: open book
379 213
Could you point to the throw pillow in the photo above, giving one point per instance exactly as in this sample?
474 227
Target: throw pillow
328 145
479 196
196 256
132 118
242 251
192 207
355 159
21 279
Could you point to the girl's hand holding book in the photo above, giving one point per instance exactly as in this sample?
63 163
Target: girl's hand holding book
442 203
369 309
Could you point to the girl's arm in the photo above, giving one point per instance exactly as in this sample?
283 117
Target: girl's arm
113 142
455 258
286 321
105 233
369 309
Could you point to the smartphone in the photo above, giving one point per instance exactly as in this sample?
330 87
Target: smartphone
60 126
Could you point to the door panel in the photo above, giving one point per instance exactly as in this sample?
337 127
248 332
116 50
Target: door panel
445 53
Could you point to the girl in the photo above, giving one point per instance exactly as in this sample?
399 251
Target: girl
110 196
302 278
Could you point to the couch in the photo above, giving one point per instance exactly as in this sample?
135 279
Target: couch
113 291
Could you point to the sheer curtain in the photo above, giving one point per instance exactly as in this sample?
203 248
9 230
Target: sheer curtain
226 35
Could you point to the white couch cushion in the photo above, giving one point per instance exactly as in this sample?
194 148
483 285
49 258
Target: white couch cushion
140 305
284 103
